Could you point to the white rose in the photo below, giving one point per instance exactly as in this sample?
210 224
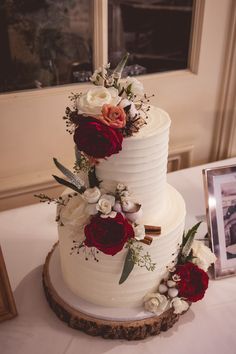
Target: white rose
139 232
73 214
204 256
136 86
92 101
155 302
92 195
104 206
179 305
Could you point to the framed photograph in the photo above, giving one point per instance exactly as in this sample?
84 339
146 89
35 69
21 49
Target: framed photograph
220 192
7 303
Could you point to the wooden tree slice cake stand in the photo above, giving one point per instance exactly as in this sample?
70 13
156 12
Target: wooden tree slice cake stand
94 326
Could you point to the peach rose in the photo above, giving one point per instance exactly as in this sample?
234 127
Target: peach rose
113 116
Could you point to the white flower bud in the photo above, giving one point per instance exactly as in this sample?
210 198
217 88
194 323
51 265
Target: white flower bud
173 292
171 283
92 195
162 289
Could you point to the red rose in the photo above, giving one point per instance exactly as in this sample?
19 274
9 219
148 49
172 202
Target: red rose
108 234
193 281
97 139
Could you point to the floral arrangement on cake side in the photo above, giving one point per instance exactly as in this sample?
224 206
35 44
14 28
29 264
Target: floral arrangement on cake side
187 281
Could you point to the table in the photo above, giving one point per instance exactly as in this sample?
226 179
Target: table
27 235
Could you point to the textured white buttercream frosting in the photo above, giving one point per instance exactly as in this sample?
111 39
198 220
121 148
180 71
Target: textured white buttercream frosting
142 164
98 282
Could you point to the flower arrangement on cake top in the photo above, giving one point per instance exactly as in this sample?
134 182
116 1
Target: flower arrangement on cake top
102 116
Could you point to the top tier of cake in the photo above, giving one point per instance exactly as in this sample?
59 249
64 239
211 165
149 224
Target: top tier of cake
142 165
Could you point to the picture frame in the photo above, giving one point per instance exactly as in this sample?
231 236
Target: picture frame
220 197
7 303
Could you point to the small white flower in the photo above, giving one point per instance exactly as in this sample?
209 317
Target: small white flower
136 86
124 194
204 256
104 206
179 305
121 187
155 302
139 232
92 195
96 77
92 101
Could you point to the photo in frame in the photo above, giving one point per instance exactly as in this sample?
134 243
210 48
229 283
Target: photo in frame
220 194
7 302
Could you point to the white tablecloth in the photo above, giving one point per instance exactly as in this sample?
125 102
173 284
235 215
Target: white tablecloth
27 235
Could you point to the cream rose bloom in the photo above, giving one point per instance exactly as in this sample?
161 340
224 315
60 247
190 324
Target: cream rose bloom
91 102
136 86
155 302
204 256
92 195
179 305
73 214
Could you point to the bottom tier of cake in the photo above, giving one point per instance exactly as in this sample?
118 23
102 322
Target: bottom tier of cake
97 280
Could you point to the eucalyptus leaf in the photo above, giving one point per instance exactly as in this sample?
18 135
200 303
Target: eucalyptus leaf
128 267
77 155
73 179
120 67
68 184
188 240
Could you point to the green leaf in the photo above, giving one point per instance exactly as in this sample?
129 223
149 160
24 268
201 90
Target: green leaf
73 179
128 267
68 184
188 240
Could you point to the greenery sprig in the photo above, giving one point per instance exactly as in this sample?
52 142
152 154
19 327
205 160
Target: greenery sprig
135 257
43 198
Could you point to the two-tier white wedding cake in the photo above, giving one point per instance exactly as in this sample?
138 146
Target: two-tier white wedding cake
122 243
